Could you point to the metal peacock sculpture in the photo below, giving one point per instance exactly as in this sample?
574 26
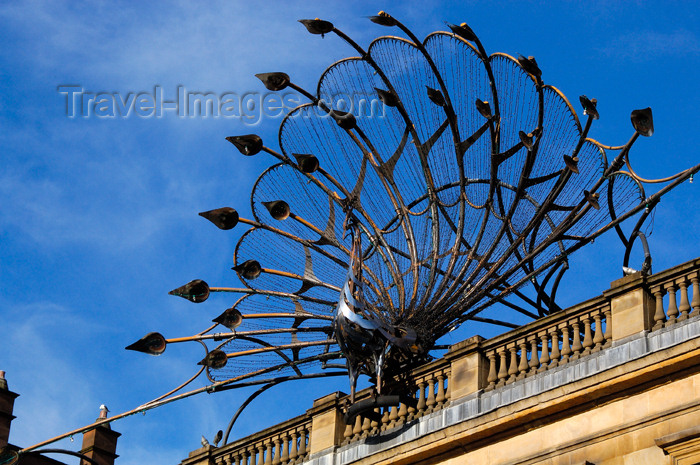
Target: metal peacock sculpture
374 236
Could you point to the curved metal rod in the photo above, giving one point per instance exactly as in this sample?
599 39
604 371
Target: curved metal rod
628 242
646 266
185 383
243 406
264 388
555 286
214 387
63 451
650 200
266 345
650 181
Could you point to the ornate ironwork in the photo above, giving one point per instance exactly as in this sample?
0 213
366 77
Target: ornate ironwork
374 235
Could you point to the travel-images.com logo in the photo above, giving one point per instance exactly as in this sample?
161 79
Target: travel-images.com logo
251 107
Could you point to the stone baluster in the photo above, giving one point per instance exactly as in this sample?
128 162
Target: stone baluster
248 456
684 306
659 316
385 419
374 424
565 347
403 413
672 312
493 374
272 456
366 426
303 446
448 384
576 346
522 367
554 355
544 357
598 338
357 429
393 416
430 403
695 303
608 327
285 447
503 368
587 336
294 452
440 399
261 453
534 358
347 434
421 397
411 410
513 364
237 458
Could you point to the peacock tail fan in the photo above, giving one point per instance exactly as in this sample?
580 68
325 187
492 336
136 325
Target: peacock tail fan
464 177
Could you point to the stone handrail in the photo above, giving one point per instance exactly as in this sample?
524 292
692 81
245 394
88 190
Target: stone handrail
633 305
547 343
283 444
428 384
680 279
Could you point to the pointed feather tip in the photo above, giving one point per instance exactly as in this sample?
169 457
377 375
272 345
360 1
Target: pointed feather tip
274 81
384 19
231 318
463 31
528 140
317 26
278 209
215 359
436 96
571 163
529 64
589 106
306 163
344 119
151 344
388 98
484 108
592 199
223 218
643 122
250 269
248 145
196 291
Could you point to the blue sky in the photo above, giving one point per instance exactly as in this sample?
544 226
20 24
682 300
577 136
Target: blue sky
99 215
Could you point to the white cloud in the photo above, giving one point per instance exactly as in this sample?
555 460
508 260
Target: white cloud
641 46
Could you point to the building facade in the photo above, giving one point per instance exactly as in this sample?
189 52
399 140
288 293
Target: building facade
614 380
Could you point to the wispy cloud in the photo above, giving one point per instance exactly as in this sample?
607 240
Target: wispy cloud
645 45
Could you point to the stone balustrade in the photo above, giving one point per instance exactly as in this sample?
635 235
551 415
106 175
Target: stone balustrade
632 306
552 342
676 285
430 387
283 444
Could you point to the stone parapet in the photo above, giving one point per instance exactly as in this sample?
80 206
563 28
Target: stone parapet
575 349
